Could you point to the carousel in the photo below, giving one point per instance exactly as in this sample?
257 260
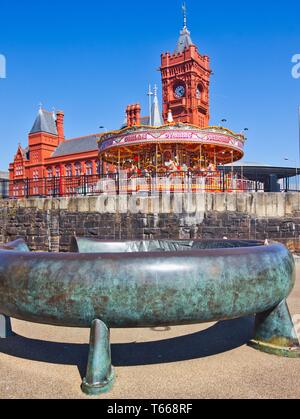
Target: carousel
171 150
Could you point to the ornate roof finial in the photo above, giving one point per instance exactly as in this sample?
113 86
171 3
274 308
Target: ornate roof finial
184 15
155 114
170 117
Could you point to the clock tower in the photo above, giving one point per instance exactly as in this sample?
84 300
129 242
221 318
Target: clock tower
185 81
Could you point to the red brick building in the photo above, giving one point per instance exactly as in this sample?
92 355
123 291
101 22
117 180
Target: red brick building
50 156
45 166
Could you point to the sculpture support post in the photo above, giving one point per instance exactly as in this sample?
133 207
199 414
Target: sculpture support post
100 374
5 327
275 333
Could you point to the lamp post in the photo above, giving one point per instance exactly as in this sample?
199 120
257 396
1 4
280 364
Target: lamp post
244 131
102 167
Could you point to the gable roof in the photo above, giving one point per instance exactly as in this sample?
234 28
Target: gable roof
23 151
45 122
77 145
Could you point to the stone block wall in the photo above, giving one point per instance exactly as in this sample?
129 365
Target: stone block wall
49 224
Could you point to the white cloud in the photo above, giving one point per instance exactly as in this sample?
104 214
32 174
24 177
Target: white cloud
2 67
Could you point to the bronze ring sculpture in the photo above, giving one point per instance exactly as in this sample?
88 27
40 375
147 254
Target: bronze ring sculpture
160 283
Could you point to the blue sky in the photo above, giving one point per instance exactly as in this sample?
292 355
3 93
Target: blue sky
92 58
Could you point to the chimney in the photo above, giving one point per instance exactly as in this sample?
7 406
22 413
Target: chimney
60 126
138 114
133 115
128 116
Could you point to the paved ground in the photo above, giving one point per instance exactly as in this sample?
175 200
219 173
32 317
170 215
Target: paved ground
208 361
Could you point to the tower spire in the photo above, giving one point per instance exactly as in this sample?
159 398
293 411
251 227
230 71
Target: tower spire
185 40
156 116
184 10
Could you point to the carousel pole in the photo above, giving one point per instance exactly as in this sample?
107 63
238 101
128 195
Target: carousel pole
232 170
119 161
100 165
201 157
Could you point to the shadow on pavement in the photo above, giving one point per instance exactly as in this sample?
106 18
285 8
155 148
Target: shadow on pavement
222 337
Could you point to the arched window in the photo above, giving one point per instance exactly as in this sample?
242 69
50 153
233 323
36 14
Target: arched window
68 170
49 172
78 169
89 168
57 171
199 91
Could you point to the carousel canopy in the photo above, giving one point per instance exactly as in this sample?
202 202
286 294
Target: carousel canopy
225 145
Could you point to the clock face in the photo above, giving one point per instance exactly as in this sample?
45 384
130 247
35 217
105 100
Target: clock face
179 91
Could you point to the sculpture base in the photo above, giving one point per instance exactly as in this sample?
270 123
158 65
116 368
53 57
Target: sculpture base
98 389
275 333
275 350
100 373
5 327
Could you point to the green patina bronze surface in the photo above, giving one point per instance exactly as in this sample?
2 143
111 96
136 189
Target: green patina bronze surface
143 286
150 284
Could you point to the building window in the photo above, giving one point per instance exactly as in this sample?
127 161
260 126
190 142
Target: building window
98 167
68 170
89 168
199 92
19 171
50 173
57 171
78 169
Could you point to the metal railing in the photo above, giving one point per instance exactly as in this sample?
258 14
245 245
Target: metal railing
134 183
125 183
